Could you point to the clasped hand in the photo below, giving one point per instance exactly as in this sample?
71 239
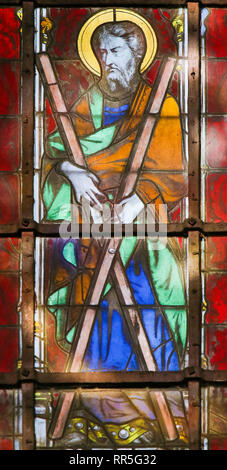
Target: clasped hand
85 186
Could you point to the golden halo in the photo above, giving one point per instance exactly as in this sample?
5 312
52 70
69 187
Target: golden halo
109 16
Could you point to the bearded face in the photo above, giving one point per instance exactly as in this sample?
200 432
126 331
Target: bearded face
118 63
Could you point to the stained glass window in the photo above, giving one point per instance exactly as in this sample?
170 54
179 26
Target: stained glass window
107 123
115 419
111 342
113 226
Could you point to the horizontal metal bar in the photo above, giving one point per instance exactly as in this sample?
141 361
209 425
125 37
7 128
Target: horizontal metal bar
84 3
10 2
102 378
215 3
81 3
41 229
133 377
9 378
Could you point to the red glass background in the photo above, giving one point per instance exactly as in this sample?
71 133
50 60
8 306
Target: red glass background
216 106
216 298
9 37
216 144
9 300
216 197
10 69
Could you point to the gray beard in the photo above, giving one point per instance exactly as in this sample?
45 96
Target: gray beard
119 85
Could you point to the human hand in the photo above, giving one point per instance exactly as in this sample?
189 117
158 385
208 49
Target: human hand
84 184
129 208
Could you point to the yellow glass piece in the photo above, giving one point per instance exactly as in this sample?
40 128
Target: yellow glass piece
46 25
20 16
181 430
122 434
179 27
109 16
84 39
38 327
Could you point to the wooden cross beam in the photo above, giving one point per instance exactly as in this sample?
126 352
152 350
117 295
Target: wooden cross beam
110 260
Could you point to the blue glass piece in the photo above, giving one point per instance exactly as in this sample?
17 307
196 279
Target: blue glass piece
160 340
109 348
113 114
140 285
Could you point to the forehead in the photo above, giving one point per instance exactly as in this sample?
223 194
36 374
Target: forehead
109 41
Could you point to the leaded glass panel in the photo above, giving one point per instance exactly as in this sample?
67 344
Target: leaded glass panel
214 265
214 109
100 126
11 420
10 115
10 309
214 418
140 305
115 419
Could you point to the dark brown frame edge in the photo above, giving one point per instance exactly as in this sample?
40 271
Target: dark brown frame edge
94 379
144 3
193 376
191 224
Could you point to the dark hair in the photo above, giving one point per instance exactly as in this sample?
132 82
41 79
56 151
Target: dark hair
125 29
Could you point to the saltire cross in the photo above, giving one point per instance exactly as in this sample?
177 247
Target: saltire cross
110 262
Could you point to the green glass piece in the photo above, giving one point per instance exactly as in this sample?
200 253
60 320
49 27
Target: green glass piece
97 141
165 275
61 321
178 323
110 196
126 248
59 297
61 206
70 335
108 287
69 253
169 287
56 142
96 106
48 194
59 329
